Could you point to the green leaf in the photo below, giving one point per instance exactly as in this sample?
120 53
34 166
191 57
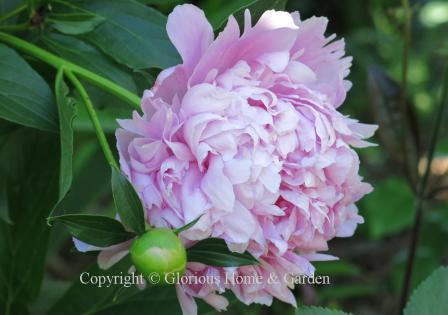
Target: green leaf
84 299
132 33
86 192
33 4
214 252
430 296
116 299
313 310
8 6
387 218
127 202
337 267
347 291
74 23
107 116
188 225
27 161
67 112
217 12
86 55
95 230
25 98
156 299
51 291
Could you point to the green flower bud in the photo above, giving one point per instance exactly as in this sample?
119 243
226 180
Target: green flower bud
159 251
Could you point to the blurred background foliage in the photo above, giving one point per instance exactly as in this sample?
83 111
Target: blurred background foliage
368 278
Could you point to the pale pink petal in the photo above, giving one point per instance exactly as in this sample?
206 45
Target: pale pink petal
187 303
191 33
217 187
219 302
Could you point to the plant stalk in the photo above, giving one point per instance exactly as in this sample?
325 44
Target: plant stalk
421 195
93 118
58 62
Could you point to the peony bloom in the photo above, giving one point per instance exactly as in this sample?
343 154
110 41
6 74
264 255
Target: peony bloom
246 133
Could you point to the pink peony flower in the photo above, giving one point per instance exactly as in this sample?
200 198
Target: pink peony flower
246 133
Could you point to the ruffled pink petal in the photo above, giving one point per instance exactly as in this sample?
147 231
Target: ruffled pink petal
190 32
187 303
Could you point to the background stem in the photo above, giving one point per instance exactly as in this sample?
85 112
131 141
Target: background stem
93 118
421 193
11 13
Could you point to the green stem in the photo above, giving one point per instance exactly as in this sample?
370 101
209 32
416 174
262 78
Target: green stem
407 41
93 118
406 107
15 11
58 62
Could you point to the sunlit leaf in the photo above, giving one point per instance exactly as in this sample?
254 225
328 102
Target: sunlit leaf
389 208
430 297
73 22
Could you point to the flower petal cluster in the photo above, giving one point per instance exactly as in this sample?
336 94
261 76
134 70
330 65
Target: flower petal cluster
246 134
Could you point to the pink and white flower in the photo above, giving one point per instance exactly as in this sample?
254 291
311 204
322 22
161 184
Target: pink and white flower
246 133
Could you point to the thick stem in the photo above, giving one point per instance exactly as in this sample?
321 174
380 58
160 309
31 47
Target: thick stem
93 118
421 193
58 62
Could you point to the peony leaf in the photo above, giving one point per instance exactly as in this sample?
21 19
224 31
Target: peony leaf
214 252
95 230
314 310
116 299
131 33
217 12
25 98
86 55
28 163
393 216
67 112
188 225
127 202
430 297
72 22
